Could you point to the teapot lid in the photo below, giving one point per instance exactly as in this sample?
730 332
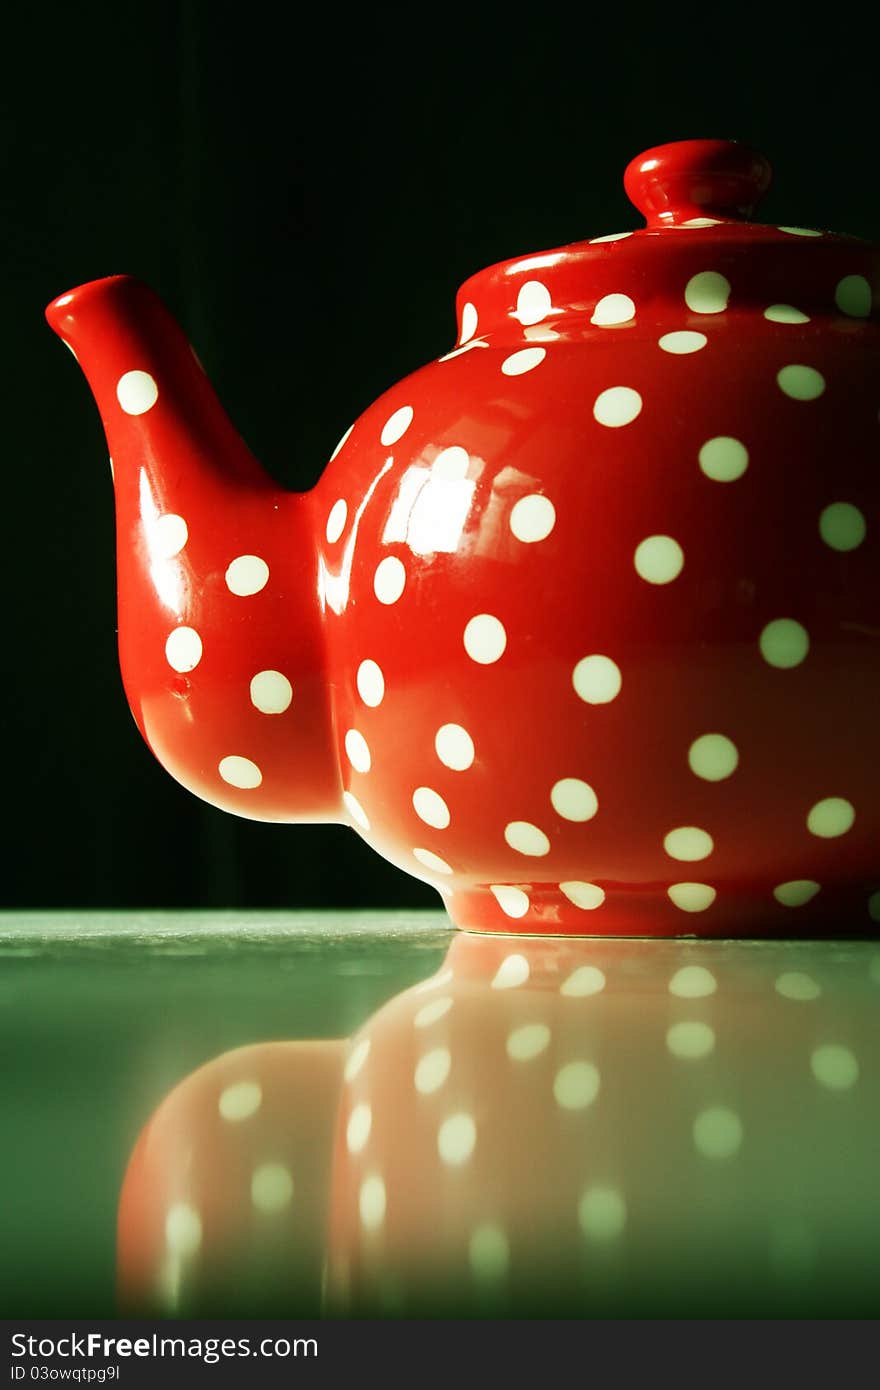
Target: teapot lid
699 249
698 183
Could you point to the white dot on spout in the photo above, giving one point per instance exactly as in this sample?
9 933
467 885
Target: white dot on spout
168 535
183 649
247 575
136 392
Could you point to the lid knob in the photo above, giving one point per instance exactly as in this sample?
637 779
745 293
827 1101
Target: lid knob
672 184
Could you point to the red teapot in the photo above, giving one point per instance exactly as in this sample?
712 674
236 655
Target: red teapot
580 624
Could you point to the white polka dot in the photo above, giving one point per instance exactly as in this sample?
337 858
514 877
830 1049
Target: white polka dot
842 526
785 313
432 1070
659 559
853 296
573 799
576 1085
431 1013
582 982
360 1122
724 459
718 1132
396 425
389 580
336 520
834 1067
532 518
342 443
528 1042
701 222
688 843
794 984
452 462
370 683
468 322
183 649
523 361
358 751
784 643
136 392
356 1058
485 639
456 1139
432 861
689 1041
271 692
454 746
693 982
613 308
601 1213
691 897
612 236
430 807
512 901
707 292
247 575
240 1100
587 896
167 536
616 406
800 383
271 1187
512 972
183 1228
597 679
831 817
526 838
533 303
799 231
713 757
240 772
796 892
356 810
372 1202
489 1253
682 343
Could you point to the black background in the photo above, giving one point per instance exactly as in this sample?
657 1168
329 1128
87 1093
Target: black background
306 188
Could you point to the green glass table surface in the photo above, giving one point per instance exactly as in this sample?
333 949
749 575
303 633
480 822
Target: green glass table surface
363 1114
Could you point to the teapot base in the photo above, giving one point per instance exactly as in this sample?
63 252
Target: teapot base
793 910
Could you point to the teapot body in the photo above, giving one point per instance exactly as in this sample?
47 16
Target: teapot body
601 601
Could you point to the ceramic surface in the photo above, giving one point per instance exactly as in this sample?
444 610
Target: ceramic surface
580 623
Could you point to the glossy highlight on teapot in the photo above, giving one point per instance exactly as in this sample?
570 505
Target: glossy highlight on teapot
579 625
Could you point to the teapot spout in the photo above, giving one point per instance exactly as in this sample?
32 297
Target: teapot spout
220 624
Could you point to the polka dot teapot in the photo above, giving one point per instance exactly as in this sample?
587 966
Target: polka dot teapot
581 623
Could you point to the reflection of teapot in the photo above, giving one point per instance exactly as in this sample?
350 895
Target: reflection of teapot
580 624
544 1126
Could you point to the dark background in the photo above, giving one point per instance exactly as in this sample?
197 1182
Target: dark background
306 188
